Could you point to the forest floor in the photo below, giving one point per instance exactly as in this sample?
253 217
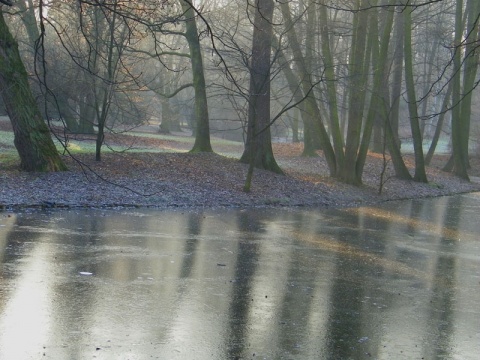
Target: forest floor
158 171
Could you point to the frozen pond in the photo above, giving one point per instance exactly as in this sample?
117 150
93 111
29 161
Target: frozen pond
397 281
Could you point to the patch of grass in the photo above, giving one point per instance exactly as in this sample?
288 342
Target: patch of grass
88 146
85 147
73 147
6 138
218 141
9 158
230 154
182 139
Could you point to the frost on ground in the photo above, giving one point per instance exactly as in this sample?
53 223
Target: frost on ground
181 179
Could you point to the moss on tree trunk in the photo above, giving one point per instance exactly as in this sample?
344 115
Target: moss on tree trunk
32 136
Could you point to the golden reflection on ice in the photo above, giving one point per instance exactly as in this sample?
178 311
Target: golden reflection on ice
333 245
431 227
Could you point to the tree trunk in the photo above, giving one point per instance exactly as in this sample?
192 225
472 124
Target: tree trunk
337 136
303 104
471 59
104 90
377 105
312 128
428 73
32 137
401 170
420 174
258 149
170 121
438 129
294 124
202 128
298 97
66 113
86 105
357 91
27 9
397 75
459 158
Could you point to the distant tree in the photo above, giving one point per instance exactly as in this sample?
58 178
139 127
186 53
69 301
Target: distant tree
163 84
170 119
32 137
315 134
106 35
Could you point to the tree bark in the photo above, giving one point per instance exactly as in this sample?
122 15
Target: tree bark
258 149
32 137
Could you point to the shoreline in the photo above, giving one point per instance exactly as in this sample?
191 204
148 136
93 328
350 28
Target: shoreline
207 181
